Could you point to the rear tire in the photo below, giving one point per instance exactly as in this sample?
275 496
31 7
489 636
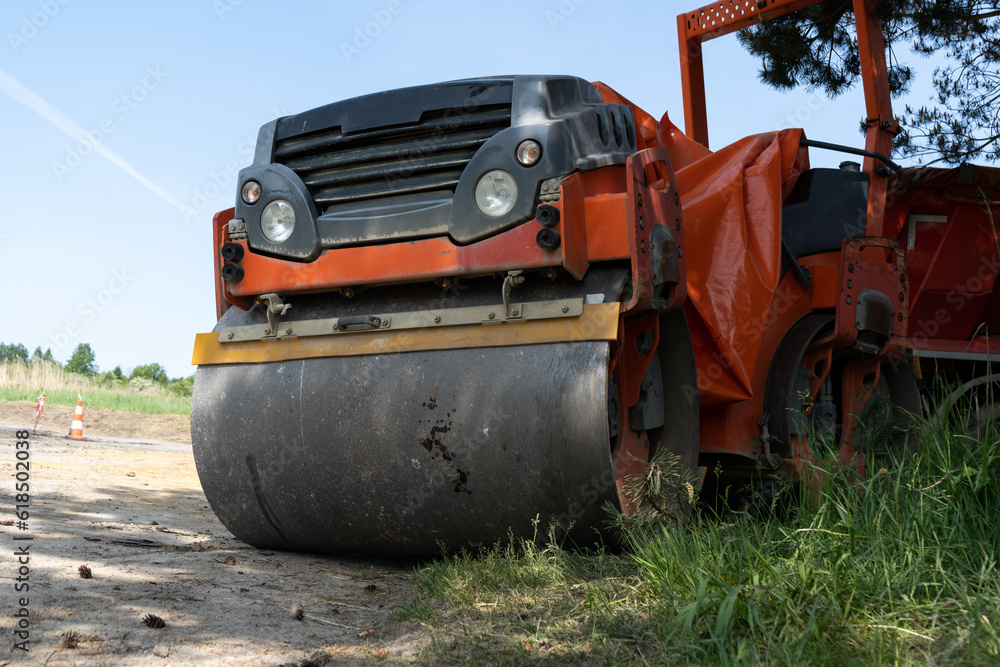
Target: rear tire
788 379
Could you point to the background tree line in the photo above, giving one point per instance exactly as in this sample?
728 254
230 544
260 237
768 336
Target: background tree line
83 362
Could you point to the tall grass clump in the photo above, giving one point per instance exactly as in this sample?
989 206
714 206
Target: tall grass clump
898 566
24 381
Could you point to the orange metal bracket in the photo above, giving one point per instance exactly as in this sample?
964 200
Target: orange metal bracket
648 206
224 298
858 273
574 227
856 394
634 363
222 304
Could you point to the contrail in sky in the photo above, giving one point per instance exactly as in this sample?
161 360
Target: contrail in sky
15 89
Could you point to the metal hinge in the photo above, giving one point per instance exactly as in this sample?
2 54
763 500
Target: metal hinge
275 309
237 229
513 279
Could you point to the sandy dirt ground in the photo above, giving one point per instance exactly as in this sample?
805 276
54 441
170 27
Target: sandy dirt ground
132 511
98 422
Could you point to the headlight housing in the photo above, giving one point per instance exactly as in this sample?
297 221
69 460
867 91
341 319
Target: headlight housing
251 192
496 193
529 152
277 221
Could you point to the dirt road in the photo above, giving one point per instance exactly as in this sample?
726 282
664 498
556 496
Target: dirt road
98 422
134 514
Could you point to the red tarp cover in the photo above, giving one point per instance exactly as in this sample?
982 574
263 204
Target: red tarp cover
731 199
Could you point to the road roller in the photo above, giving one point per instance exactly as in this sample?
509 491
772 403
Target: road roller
457 312
447 314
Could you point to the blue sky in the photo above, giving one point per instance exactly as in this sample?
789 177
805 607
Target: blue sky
112 246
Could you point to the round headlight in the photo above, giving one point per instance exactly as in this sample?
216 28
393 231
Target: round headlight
251 192
277 220
496 193
528 152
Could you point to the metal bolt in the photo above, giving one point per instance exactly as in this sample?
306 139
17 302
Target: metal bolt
437 318
267 330
642 225
514 311
850 268
638 201
288 330
229 335
848 300
902 297
642 246
850 284
565 309
899 317
491 315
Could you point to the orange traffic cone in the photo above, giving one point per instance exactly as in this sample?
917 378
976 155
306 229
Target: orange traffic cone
76 428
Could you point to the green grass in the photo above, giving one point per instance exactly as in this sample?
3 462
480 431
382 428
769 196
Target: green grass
21 381
899 568
121 400
519 603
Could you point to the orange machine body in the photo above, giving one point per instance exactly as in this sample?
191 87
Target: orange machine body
945 219
593 223
942 217
739 306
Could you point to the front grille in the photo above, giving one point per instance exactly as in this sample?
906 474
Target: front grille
429 155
